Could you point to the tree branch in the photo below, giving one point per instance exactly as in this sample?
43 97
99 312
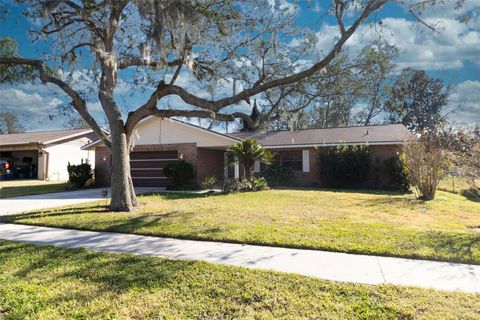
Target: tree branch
139 62
77 101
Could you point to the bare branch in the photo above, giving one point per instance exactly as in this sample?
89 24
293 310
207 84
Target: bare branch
139 62
77 101
339 9
78 46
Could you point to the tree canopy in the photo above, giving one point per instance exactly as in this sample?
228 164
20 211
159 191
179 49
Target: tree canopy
238 49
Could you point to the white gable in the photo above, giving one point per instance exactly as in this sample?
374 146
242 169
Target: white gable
155 130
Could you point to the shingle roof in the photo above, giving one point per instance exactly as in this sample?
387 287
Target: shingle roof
42 137
376 134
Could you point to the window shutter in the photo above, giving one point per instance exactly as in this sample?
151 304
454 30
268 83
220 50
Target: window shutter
305 161
256 166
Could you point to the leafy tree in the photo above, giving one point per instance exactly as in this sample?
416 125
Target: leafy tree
9 123
246 153
375 65
417 101
153 42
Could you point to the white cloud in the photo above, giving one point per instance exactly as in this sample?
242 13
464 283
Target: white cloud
464 103
15 99
449 48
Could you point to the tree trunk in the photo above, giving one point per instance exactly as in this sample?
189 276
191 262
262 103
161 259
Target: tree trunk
123 193
248 166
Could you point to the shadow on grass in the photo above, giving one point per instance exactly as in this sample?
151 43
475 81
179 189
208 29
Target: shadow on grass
407 202
183 195
342 190
471 195
55 213
117 273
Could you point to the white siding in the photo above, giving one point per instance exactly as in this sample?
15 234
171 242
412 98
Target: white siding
148 132
59 155
163 131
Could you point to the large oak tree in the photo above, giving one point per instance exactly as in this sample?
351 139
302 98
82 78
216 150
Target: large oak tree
152 41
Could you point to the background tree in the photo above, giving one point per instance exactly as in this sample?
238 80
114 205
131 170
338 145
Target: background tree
464 154
246 153
153 41
355 81
417 101
375 67
9 123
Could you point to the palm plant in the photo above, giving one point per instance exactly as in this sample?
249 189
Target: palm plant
246 153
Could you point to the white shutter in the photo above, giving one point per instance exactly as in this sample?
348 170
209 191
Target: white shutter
305 161
236 169
256 166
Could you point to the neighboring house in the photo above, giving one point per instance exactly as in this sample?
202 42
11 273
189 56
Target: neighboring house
44 155
158 141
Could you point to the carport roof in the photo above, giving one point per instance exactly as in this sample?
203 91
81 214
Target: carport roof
40 137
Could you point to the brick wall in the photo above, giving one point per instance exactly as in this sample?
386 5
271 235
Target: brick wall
378 174
209 163
187 151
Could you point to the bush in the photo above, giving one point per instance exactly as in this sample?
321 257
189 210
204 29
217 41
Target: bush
258 184
209 182
278 175
397 174
344 166
425 161
244 185
181 174
80 174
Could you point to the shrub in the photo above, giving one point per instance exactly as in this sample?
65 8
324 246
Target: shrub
344 166
244 185
397 173
79 174
277 175
181 174
209 182
425 161
258 184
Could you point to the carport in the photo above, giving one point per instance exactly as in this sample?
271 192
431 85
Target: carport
44 155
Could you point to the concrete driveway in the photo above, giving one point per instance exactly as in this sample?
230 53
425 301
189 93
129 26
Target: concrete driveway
16 205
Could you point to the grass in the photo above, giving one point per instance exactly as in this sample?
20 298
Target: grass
57 283
445 229
16 188
455 184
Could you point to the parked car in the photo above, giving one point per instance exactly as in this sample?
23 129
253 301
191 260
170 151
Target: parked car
6 170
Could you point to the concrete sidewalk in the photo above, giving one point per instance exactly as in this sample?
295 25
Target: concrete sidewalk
320 264
15 205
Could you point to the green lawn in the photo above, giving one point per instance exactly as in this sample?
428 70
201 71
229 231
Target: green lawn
370 223
57 283
455 184
16 188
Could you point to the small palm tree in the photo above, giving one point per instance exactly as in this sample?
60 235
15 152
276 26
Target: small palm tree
246 153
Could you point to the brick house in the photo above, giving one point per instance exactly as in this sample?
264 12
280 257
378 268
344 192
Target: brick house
158 141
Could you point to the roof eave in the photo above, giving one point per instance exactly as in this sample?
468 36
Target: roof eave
310 145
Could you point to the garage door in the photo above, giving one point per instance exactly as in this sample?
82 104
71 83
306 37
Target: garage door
147 167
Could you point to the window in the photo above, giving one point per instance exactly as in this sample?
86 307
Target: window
290 159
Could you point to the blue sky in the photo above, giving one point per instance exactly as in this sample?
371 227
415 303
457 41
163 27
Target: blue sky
451 54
